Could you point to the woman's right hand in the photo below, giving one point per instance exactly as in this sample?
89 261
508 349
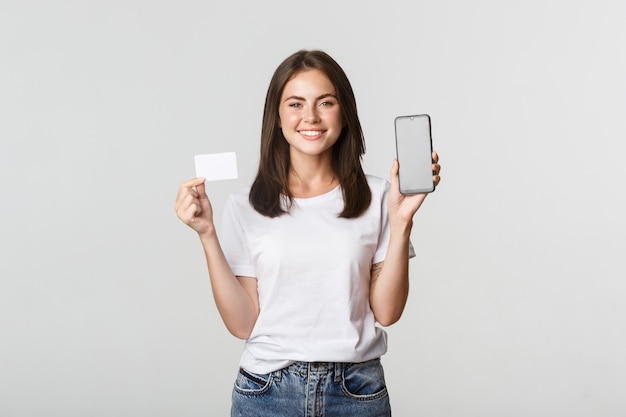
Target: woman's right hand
193 206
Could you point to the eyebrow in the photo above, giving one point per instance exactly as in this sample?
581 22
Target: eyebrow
323 96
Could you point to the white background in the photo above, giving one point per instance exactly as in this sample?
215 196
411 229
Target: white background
517 300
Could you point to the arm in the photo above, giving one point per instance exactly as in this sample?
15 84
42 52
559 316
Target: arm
389 287
236 298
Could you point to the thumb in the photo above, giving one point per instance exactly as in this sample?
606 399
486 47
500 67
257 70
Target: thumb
395 167
200 188
393 174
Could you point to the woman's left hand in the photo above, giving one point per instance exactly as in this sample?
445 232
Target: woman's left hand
402 207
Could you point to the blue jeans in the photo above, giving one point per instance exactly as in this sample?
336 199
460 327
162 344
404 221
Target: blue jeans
313 389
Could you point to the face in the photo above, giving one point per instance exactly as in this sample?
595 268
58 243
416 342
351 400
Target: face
310 116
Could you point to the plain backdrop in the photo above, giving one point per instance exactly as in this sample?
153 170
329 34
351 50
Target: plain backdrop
517 293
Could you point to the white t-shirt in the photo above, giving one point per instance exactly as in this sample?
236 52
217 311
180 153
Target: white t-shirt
313 277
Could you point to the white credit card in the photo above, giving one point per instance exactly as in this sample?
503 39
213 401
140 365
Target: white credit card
216 166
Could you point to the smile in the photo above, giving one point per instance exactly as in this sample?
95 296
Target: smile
311 133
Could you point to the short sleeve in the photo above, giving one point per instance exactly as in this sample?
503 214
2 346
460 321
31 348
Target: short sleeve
233 240
383 240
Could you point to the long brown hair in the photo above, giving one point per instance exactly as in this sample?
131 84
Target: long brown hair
271 183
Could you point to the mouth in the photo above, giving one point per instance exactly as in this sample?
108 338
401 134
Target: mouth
311 134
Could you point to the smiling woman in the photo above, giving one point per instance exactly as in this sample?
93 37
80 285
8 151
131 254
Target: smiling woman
312 87
313 231
310 120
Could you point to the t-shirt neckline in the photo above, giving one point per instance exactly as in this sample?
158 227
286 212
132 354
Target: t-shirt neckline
321 197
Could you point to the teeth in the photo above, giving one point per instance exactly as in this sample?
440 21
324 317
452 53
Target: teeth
311 132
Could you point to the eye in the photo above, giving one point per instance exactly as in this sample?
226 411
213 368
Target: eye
326 104
295 105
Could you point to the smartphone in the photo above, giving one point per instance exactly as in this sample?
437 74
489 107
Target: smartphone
414 151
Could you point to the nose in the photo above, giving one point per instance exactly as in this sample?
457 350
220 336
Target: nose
311 115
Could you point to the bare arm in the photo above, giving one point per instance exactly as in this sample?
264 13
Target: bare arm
236 298
389 287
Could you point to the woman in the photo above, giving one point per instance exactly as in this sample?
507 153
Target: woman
311 256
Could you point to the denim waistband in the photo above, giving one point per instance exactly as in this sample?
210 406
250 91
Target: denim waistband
316 367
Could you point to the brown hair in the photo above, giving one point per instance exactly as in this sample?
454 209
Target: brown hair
271 182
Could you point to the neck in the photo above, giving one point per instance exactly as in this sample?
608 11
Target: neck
311 178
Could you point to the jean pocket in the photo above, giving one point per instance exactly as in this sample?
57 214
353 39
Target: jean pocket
249 383
364 381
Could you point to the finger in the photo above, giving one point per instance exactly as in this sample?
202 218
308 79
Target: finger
436 169
201 189
187 188
189 185
395 167
192 182
393 174
189 209
190 214
190 200
184 203
435 157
